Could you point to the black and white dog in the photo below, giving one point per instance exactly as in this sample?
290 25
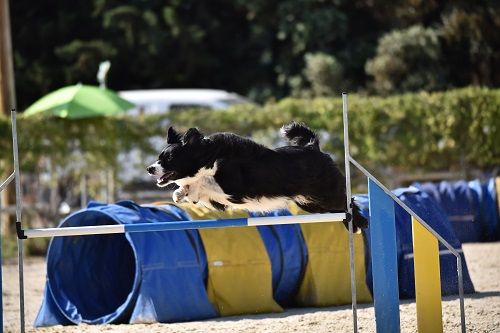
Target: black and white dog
226 170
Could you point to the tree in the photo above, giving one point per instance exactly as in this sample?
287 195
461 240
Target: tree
324 73
254 47
471 42
408 60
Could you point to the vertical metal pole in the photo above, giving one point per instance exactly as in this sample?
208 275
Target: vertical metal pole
461 293
349 210
1 280
18 218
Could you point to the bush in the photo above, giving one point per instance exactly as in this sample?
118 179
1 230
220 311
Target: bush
324 73
407 60
419 131
63 150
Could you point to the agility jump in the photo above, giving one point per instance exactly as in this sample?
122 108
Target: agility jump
382 240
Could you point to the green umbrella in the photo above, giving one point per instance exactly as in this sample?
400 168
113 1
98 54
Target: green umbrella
79 101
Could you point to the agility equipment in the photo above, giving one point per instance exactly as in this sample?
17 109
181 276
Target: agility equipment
143 277
239 270
472 207
427 208
236 254
386 301
326 280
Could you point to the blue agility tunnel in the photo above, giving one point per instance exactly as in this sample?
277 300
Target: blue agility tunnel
489 205
427 208
288 254
134 277
471 207
182 275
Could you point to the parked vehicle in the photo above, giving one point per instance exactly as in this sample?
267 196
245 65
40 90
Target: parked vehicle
154 101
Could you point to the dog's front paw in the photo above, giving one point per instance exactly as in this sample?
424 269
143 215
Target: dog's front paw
180 194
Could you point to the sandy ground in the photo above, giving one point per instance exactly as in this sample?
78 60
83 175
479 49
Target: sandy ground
482 309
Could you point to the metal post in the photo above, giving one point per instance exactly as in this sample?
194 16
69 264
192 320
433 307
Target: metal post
349 210
18 218
1 280
461 293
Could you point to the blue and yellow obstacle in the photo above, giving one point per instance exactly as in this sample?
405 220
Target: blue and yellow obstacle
382 242
242 273
383 248
385 270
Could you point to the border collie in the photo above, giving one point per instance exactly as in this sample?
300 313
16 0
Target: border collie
226 170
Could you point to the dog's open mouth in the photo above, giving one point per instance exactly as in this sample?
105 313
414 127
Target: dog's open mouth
167 177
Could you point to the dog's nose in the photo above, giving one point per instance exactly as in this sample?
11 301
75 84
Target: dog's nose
151 170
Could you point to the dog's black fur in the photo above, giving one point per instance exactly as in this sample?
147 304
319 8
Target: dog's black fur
247 171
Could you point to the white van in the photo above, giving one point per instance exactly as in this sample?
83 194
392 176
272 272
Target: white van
154 101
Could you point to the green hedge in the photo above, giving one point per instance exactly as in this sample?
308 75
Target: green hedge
423 131
91 142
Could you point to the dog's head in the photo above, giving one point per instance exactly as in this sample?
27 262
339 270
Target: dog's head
183 156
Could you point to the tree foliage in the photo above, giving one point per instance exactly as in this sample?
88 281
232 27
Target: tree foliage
324 73
408 60
256 48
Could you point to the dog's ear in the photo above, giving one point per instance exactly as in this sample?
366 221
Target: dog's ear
173 136
192 136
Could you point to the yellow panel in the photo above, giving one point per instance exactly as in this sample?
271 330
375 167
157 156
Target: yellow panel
427 279
327 281
239 269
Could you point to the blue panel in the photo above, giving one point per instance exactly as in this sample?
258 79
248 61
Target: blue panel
384 260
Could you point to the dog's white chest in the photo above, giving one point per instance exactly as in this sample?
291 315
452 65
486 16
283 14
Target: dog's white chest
203 188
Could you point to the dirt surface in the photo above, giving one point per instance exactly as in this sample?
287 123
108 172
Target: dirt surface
482 309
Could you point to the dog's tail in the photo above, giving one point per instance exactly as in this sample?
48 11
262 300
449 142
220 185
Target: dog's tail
300 135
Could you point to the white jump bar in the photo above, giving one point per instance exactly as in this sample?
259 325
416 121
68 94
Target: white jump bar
312 218
183 225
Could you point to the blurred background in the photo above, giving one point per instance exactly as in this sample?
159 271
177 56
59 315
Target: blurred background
422 78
